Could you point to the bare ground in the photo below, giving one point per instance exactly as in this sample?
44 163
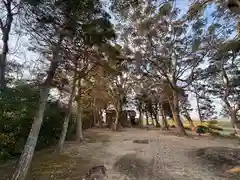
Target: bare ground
138 154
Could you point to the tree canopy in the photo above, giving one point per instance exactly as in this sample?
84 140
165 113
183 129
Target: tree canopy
85 58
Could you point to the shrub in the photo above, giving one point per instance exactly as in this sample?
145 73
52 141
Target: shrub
212 126
209 126
4 155
7 142
17 109
201 129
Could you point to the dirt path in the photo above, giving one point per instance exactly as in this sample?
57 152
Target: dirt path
166 156
161 156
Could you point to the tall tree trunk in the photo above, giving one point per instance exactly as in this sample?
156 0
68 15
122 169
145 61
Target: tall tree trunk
5 28
176 116
67 118
164 120
147 122
188 117
115 124
79 131
95 120
233 112
118 110
28 151
140 121
100 117
122 118
233 117
152 119
104 115
234 120
95 116
156 120
198 108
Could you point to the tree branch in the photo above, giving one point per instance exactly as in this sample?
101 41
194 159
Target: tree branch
5 4
1 25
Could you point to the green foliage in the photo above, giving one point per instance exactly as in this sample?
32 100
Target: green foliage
194 10
18 105
84 22
122 7
201 129
7 141
87 117
208 127
165 9
52 125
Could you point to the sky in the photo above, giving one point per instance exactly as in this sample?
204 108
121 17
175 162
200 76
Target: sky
183 5
19 51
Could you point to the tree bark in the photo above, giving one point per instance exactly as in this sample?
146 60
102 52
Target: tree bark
234 121
198 107
28 151
176 116
233 116
147 122
115 124
188 117
5 37
118 110
152 119
156 121
164 120
104 115
140 118
232 111
95 116
67 118
100 123
27 154
79 132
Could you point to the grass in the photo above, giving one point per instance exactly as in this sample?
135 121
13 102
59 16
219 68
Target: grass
226 125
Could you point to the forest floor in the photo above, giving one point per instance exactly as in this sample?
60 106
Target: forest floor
138 154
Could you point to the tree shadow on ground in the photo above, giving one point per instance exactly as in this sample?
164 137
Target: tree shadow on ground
219 160
136 168
141 141
48 164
